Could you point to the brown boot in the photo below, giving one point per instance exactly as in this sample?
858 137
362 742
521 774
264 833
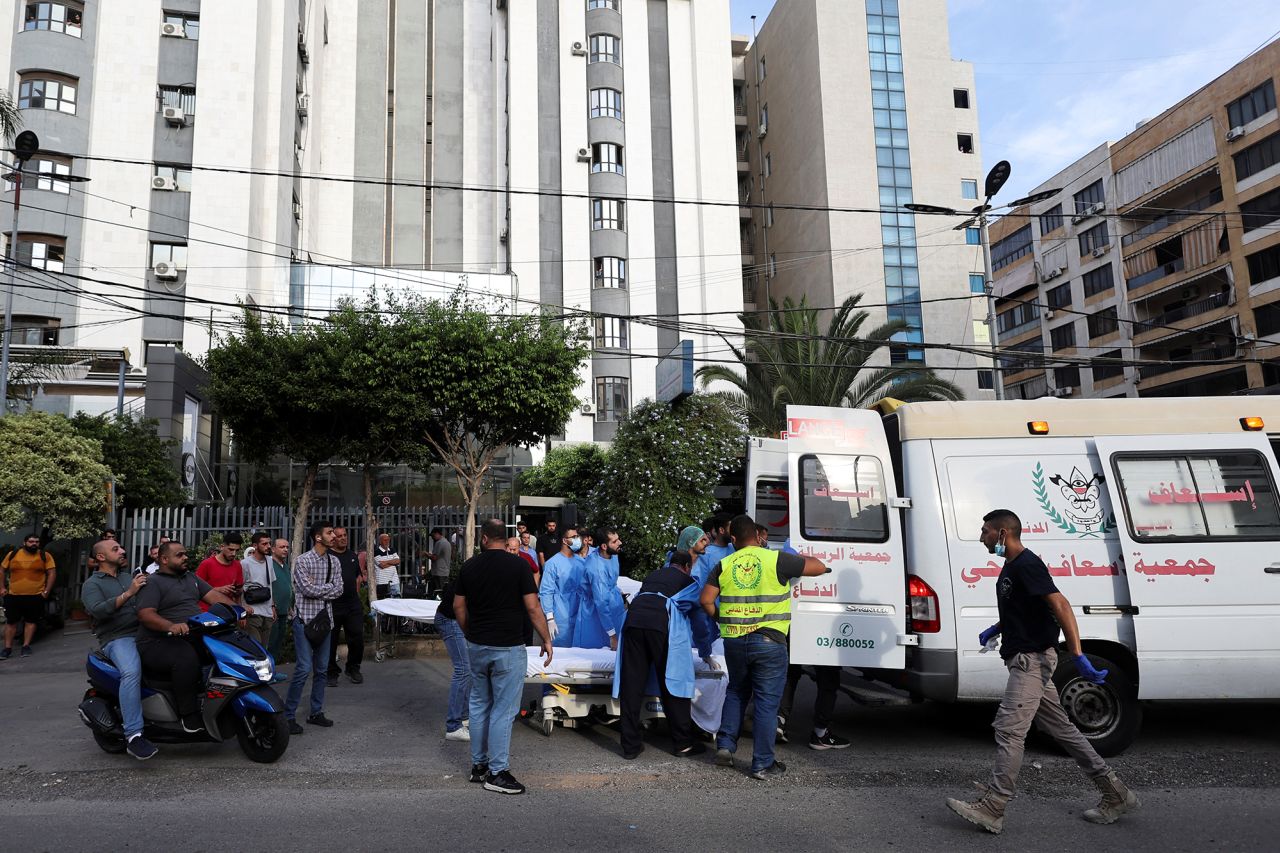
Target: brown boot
1116 800
987 812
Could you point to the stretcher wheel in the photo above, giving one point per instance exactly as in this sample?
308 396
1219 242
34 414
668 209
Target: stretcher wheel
380 655
548 726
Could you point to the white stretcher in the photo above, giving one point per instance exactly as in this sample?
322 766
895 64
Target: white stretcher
418 609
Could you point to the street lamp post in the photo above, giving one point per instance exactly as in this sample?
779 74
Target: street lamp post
24 146
996 179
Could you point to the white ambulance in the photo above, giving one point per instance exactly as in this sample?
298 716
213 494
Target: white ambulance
1158 519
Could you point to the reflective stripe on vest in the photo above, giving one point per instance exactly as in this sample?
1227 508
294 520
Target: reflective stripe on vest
751 596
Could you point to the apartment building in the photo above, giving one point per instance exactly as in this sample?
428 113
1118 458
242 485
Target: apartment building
858 106
545 130
1170 281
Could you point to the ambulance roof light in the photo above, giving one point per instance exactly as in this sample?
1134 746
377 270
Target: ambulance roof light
1252 424
1038 427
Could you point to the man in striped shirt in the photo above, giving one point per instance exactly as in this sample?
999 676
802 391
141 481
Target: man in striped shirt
317 581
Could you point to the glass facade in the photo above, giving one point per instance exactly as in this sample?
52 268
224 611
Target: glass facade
893 159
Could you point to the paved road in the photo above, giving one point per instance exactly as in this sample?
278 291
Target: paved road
384 777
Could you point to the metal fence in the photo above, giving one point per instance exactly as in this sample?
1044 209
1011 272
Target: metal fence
409 527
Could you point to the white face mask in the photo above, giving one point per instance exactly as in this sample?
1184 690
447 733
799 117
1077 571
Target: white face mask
575 544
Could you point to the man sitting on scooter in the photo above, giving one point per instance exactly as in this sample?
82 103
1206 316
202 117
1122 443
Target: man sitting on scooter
164 605
109 595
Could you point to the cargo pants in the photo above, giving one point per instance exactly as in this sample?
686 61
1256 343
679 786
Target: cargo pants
1030 696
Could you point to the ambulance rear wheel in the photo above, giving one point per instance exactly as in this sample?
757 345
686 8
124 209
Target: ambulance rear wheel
1107 714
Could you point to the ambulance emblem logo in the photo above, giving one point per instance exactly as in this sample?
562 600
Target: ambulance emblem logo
1073 503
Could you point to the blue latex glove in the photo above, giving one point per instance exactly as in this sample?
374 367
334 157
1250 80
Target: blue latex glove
1088 673
985 636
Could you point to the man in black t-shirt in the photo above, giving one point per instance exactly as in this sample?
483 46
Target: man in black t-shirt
492 598
1031 613
348 611
548 543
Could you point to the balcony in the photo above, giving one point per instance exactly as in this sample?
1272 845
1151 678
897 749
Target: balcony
1183 312
1162 271
1191 249
1180 211
1182 360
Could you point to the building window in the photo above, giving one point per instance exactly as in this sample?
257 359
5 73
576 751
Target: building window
973 236
610 272
1011 362
607 213
55 17
985 380
1104 322
602 4
35 331
1098 280
1095 238
977 283
43 172
1051 220
1058 297
763 70
611 333
1102 370
768 216
1258 212
606 157
1264 265
964 141
46 252
961 98
1089 196
764 118
1260 101
768 165
606 49
1063 337
44 91
169 253
180 175
606 103
1256 157
1067 377
1020 314
968 188
190 24
612 395
183 97
1016 245
773 265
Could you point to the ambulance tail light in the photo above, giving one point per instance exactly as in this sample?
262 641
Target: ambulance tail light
923 602
1252 424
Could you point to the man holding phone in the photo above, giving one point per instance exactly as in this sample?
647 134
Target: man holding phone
223 571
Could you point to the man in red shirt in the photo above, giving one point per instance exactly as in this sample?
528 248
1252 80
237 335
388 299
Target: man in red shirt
222 571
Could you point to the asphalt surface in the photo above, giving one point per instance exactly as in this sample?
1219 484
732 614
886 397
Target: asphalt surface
384 777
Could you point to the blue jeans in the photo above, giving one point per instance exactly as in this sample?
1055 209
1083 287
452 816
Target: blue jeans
309 661
124 654
497 674
757 667
460 683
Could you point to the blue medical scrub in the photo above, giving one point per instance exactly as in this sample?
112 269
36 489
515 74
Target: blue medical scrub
560 593
600 608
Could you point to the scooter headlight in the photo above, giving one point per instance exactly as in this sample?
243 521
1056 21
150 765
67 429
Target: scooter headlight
264 669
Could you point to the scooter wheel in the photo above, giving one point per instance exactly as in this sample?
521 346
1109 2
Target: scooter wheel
263 737
113 745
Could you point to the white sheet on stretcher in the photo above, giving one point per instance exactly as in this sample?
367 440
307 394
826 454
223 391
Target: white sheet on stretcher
418 609
708 693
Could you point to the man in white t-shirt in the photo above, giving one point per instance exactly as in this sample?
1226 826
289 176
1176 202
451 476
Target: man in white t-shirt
386 568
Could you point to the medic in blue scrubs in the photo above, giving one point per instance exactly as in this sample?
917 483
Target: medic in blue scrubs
600 607
560 591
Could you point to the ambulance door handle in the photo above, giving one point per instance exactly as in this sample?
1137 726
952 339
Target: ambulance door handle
1273 569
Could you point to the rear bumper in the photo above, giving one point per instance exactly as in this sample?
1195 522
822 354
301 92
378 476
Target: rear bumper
932 674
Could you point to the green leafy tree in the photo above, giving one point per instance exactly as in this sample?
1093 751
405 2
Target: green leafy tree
472 383
277 388
10 116
661 472
568 472
789 358
51 475
141 461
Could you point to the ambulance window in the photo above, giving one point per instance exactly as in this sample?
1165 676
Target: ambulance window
843 499
771 508
1226 495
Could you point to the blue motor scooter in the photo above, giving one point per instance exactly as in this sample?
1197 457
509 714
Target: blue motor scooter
237 698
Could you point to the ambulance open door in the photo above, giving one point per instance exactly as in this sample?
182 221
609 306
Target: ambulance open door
841 503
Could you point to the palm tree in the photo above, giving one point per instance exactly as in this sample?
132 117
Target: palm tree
10 117
788 359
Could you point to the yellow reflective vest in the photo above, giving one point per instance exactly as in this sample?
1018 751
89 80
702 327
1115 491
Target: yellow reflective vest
751 596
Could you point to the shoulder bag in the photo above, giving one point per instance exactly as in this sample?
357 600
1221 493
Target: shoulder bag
320 625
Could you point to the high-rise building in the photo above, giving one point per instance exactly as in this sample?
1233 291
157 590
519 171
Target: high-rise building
1156 270
422 145
853 110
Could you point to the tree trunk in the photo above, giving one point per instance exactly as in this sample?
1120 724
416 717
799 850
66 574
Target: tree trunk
370 532
470 487
304 504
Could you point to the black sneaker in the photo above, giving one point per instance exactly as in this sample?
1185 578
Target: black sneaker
503 782
295 729
355 676
782 730
25 653
777 768
696 748
828 741
319 720
141 748
332 679
192 724
5 654
478 772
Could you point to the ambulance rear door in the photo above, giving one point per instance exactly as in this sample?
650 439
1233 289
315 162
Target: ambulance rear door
843 506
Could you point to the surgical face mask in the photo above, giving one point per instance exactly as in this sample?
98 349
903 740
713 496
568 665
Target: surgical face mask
1000 548
575 544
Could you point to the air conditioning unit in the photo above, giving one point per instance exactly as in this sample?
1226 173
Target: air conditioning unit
297 210
174 31
1095 208
503 235
165 271
587 407
302 47
175 117
584 155
1063 392
304 105
1053 273
764 128
1048 315
577 49
1101 250
159 182
1235 133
